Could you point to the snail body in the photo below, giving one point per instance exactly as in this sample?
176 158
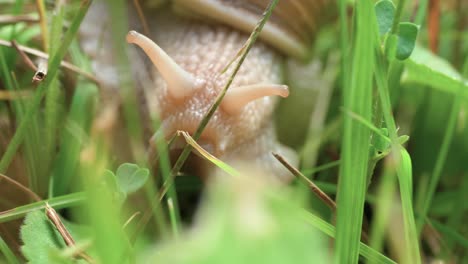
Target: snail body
189 58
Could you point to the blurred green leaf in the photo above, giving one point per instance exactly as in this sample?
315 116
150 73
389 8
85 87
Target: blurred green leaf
245 220
425 68
130 177
110 182
385 12
407 34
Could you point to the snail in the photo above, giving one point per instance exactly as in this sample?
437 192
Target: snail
189 45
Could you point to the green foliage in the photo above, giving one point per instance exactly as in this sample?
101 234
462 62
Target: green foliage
9 255
357 98
385 12
42 243
262 224
425 68
400 42
407 35
386 84
130 177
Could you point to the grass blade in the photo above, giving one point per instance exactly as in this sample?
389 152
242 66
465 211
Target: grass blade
59 202
54 65
400 157
356 138
368 253
9 255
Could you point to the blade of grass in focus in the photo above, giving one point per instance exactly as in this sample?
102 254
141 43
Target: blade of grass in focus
357 93
399 155
58 202
367 252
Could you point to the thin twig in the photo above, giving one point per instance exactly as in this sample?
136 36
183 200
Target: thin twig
13 95
43 23
67 237
23 56
142 17
11 19
131 218
53 216
44 55
315 189
22 187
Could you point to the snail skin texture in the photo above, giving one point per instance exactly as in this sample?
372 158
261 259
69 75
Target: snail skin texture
178 67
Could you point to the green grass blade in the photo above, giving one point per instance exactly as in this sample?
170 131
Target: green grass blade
59 202
443 152
54 64
76 129
9 255
352 183
368 253
400 157
441 158
53 96
449 232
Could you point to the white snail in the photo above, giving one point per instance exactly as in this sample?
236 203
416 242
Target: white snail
194 44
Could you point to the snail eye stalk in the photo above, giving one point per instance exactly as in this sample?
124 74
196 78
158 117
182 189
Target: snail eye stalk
180 82
237 97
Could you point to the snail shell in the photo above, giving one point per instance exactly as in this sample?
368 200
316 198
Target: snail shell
188 60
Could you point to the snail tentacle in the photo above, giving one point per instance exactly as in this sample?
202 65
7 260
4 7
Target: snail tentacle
180 82
236 98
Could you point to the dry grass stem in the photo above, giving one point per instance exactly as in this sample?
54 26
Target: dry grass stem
21 186
315 189
142 17
67 237
11 19
24 56
45 56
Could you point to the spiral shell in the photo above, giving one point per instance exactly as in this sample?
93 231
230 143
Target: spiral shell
290 29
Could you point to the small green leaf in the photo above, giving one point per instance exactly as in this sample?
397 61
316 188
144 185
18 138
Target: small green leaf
130 177
423 67
111 182
42 243
407 35
385 12
39 238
